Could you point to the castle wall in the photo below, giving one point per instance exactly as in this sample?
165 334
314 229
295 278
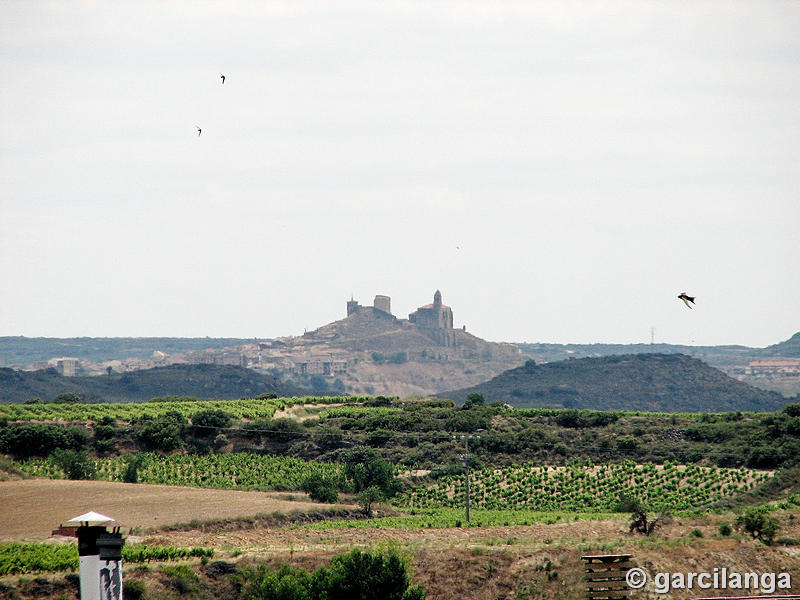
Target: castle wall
383 303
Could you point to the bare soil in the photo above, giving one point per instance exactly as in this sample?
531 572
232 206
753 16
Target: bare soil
30 509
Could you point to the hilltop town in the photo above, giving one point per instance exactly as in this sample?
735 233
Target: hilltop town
368 351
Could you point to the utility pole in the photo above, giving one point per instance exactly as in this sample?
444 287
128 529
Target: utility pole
465 461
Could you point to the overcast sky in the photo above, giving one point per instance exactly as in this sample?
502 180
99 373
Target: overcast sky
561 171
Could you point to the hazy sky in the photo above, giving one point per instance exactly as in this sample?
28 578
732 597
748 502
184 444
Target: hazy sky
561 171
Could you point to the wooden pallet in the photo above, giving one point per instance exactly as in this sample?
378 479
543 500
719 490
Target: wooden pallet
605 576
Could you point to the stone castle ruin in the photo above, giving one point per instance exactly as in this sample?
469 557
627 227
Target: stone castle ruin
435 320
381 303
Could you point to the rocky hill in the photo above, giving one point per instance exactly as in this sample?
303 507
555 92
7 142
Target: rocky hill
201 381
646 382
392 356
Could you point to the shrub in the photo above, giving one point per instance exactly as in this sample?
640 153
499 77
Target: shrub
133 589
206 422
288 583
356 575
758 523
283 430
134 462
180 578
725 530
164 434
67 398
34 439
74 463
792 410
320 489
363 575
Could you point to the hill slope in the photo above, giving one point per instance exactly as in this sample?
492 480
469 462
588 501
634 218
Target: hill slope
646 382
202 381
790 347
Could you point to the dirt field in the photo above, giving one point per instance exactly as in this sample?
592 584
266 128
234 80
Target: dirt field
30 509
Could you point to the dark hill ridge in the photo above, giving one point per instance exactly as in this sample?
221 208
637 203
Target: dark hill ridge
201 381
789 348
644 382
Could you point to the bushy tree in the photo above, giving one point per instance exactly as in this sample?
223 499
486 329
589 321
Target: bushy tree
207 423
67 398
369 496
353 576
365 576
321 489
364 468
792 410
105 434
757 521
75 464
164 433
473 399
37 439
133 463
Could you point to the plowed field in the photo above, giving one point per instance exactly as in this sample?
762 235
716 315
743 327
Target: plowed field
30 509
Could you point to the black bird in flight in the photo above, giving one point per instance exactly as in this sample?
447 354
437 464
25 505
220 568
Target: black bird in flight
199 131
221 76
687 299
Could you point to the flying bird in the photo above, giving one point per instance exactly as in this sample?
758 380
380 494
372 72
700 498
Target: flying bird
221 76
199 131
687 299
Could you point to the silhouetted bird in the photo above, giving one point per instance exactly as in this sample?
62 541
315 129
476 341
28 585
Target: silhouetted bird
221 76
687 299
199 131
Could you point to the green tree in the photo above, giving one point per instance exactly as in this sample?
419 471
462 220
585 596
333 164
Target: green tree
364 468
105 434
363 576
133 463
757 521
37 439
75 464
67 398
320 489
353 576
369 496
164 433
207 423
474 399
